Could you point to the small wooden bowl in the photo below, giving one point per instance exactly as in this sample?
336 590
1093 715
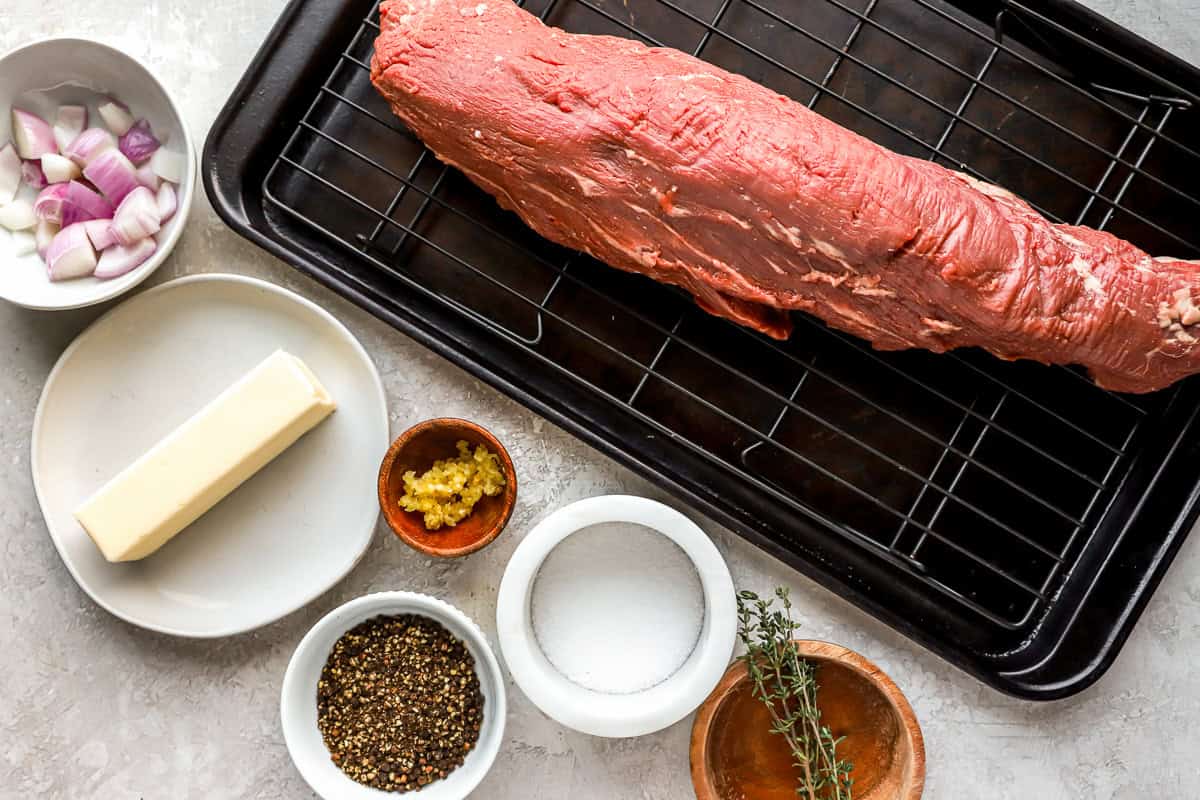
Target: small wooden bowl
416 449
736 757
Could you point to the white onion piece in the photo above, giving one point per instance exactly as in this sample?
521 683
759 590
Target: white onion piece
10 173
43 235
168 202
146 177
88 145
112 174
24 243
119 259
116 116
32 135
18 215
136 217
49 203
69 122
70 254
100 233
59 169
167 165
81 204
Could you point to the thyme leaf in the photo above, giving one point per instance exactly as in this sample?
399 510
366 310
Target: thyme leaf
787 685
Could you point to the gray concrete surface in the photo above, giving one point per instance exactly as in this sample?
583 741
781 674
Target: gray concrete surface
93 708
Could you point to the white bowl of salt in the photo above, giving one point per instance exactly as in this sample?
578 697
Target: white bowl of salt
616 616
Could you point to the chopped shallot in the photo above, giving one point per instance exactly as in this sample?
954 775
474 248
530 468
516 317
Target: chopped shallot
88 145
119 259
59 169
100 233
49 203
112 174
168 201
69 122
116 116
70 254
104 192
32 135
138 143
81 204
168 166
32 175
43 235
136 217
147 177
18 215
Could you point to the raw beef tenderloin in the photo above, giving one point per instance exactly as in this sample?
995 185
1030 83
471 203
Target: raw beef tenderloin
659 163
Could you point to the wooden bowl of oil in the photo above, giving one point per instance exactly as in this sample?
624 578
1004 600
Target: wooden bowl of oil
736 757
416 449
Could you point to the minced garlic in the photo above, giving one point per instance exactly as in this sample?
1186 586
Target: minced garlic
448 491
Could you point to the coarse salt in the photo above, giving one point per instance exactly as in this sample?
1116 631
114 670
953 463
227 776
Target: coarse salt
617 608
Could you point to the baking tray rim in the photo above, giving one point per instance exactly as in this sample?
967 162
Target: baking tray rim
1008 682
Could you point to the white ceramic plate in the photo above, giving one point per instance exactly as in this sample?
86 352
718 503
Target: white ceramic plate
41 76
290 532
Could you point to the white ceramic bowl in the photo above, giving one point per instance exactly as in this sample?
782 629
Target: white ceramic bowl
616 715
298 709
41 76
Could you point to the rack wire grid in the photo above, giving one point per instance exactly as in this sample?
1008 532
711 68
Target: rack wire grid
983 481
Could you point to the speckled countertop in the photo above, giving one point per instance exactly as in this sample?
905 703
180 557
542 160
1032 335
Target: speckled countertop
93 708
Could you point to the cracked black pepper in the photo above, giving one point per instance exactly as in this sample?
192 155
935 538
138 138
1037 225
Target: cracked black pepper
398 702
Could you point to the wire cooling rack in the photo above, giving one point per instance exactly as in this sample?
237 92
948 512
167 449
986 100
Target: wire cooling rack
954 495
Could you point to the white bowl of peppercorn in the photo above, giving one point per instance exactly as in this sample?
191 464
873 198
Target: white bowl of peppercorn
394 692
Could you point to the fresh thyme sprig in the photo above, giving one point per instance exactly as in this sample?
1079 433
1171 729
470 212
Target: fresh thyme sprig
787 684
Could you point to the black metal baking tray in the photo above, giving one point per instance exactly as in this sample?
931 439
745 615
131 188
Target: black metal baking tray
1011 517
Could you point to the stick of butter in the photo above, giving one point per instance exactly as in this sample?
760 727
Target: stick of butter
205 458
